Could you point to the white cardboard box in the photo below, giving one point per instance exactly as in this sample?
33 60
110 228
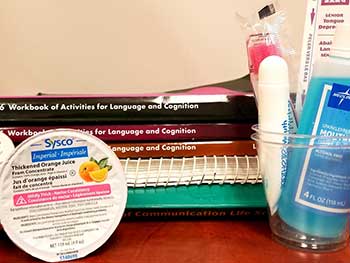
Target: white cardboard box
322 17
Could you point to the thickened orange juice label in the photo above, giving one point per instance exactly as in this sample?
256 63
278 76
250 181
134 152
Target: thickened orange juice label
63 193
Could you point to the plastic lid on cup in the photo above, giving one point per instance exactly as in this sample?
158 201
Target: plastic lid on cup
63 194
6 148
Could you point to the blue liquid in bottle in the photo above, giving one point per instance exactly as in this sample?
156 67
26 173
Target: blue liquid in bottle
315 196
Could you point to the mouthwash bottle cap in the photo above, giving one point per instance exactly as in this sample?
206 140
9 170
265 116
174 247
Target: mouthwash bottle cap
341 44
273 71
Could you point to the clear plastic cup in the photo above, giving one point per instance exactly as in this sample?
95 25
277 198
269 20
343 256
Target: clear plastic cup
307 186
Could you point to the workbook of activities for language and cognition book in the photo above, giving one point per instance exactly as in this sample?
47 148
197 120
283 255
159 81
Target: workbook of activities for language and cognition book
184 154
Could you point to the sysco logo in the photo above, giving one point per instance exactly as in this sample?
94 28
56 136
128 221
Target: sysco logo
57 143
335 2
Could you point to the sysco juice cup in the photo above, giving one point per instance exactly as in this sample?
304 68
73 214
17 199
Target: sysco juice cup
63 193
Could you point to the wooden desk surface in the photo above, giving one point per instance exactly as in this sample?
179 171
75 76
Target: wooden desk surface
188 241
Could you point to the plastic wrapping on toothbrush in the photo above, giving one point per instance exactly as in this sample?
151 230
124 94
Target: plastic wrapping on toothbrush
266 35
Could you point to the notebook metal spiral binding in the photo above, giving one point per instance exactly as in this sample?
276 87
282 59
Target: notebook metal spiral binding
191 171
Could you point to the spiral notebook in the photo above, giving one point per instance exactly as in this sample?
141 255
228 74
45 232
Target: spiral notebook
203 170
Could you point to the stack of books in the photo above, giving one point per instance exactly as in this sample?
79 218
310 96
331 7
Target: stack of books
184 154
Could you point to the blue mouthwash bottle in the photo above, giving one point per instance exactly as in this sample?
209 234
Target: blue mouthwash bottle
315 197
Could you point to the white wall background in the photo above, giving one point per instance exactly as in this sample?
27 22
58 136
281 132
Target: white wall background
130 46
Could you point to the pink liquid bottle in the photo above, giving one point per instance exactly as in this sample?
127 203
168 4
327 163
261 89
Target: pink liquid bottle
260 46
